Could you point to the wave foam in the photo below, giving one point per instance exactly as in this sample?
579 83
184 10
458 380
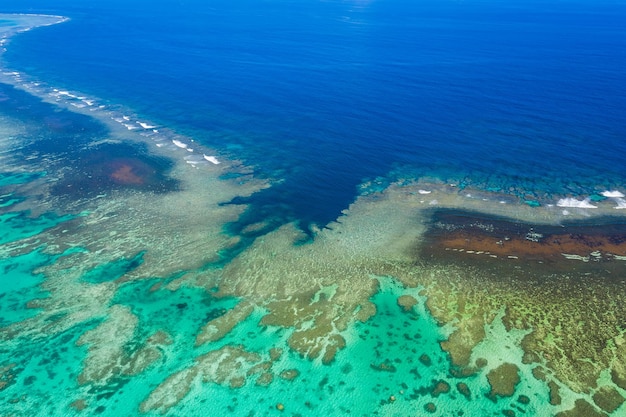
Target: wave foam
211 159
621 203
179 144
612 194
572 202
146 125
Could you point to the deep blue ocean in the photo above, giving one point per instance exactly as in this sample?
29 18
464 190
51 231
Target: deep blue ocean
325 95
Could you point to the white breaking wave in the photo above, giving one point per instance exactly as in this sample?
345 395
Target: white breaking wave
160 137
146 125
192 161
621 203
612 194
211 159
572 202
616 196
179 144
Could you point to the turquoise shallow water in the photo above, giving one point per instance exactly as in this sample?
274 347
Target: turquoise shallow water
18 225
19 285
392 364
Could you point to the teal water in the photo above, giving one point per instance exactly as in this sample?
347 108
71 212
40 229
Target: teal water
18 225
20 285
113 270
9 178
390 367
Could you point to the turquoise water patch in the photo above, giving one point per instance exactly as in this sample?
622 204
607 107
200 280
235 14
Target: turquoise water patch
181 313
17 271
19 178
18 285
111 271
43 374
393 365
18 225
8 200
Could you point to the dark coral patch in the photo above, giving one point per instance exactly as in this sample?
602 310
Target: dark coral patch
581 409
503 381
482 241
608 399
114 167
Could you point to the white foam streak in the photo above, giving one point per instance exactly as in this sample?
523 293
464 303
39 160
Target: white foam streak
159 136
612 194
179 144
621 203
146 125
572 202
211 159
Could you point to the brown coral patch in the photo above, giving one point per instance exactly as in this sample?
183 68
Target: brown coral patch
128 171
218 328
79 405
289 374
555 395
464 390
503 380
425 360
407 302
608 399
385 366
7 375
115 166
265 379
440 387
430 408
467 236
581 409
